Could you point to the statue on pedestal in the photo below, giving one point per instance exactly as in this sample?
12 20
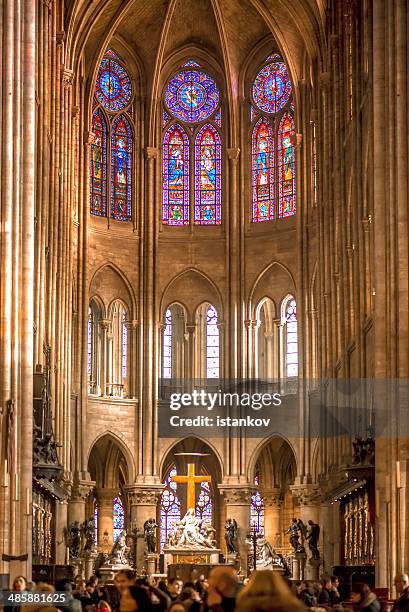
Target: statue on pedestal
88 533
73 539
313 537
296 529
149 531
119 552
230 529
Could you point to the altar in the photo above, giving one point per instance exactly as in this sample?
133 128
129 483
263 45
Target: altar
190 556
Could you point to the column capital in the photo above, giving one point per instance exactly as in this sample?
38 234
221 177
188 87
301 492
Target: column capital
81 489
104 323
131 324
67 76
233 154
307 495
143 495
191 328
151 152
272 497
106 496
237 495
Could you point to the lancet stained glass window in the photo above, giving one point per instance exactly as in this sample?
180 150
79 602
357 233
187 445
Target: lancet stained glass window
273 143
257 510
204 504
263 171
286 167
175 203
124 345
111 164
169 508
98 154
291 337
212 344
95 521
118 517
167 346
207 176
121 169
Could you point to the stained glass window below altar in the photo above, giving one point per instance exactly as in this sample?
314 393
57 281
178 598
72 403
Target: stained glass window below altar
118 518
257 510
169 508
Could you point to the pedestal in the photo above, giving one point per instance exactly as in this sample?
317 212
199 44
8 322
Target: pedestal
89 564
299 560
151 562
78 567
312 569
233 559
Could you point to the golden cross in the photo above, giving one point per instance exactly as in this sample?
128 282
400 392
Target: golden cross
191 479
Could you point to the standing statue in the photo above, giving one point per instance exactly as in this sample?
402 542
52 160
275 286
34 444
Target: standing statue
294 530
313 537
149 532
230 534
88 534
73 539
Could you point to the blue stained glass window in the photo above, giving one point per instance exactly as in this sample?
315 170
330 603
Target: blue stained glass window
175 193
118 516
98 161
167 346
257 509
208 159
95 521
272 87
204 503
124 345
121 169
169 508
192 96
113 88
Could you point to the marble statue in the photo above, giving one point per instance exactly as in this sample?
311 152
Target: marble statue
192 532
120 551
230 529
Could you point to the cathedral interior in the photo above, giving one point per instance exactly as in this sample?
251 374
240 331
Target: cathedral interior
195 191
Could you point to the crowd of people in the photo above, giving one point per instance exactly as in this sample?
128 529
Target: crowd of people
264 591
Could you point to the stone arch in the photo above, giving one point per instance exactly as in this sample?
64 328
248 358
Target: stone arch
263 447
191 288
106 453
274 282
110 283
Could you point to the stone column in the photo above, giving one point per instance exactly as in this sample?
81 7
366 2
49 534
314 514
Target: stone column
272 505
132 364
144 505
105 501
237 501
191 367
76 505
104 356
61 522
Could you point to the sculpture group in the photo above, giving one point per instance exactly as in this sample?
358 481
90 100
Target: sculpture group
298 530
192 532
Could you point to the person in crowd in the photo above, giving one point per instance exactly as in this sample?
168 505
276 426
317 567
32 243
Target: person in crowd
65 586
137 598
175 586
20 586
267 591
190 598
324 596
401 583
306 594
364 599
103 606
222 590
176 606
201 586
335 596
124 579
79 587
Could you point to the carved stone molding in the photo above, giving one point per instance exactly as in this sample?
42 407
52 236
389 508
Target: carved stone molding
81 489
272 497
233 154
151 152
67 77
236 495
140 495
307 495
